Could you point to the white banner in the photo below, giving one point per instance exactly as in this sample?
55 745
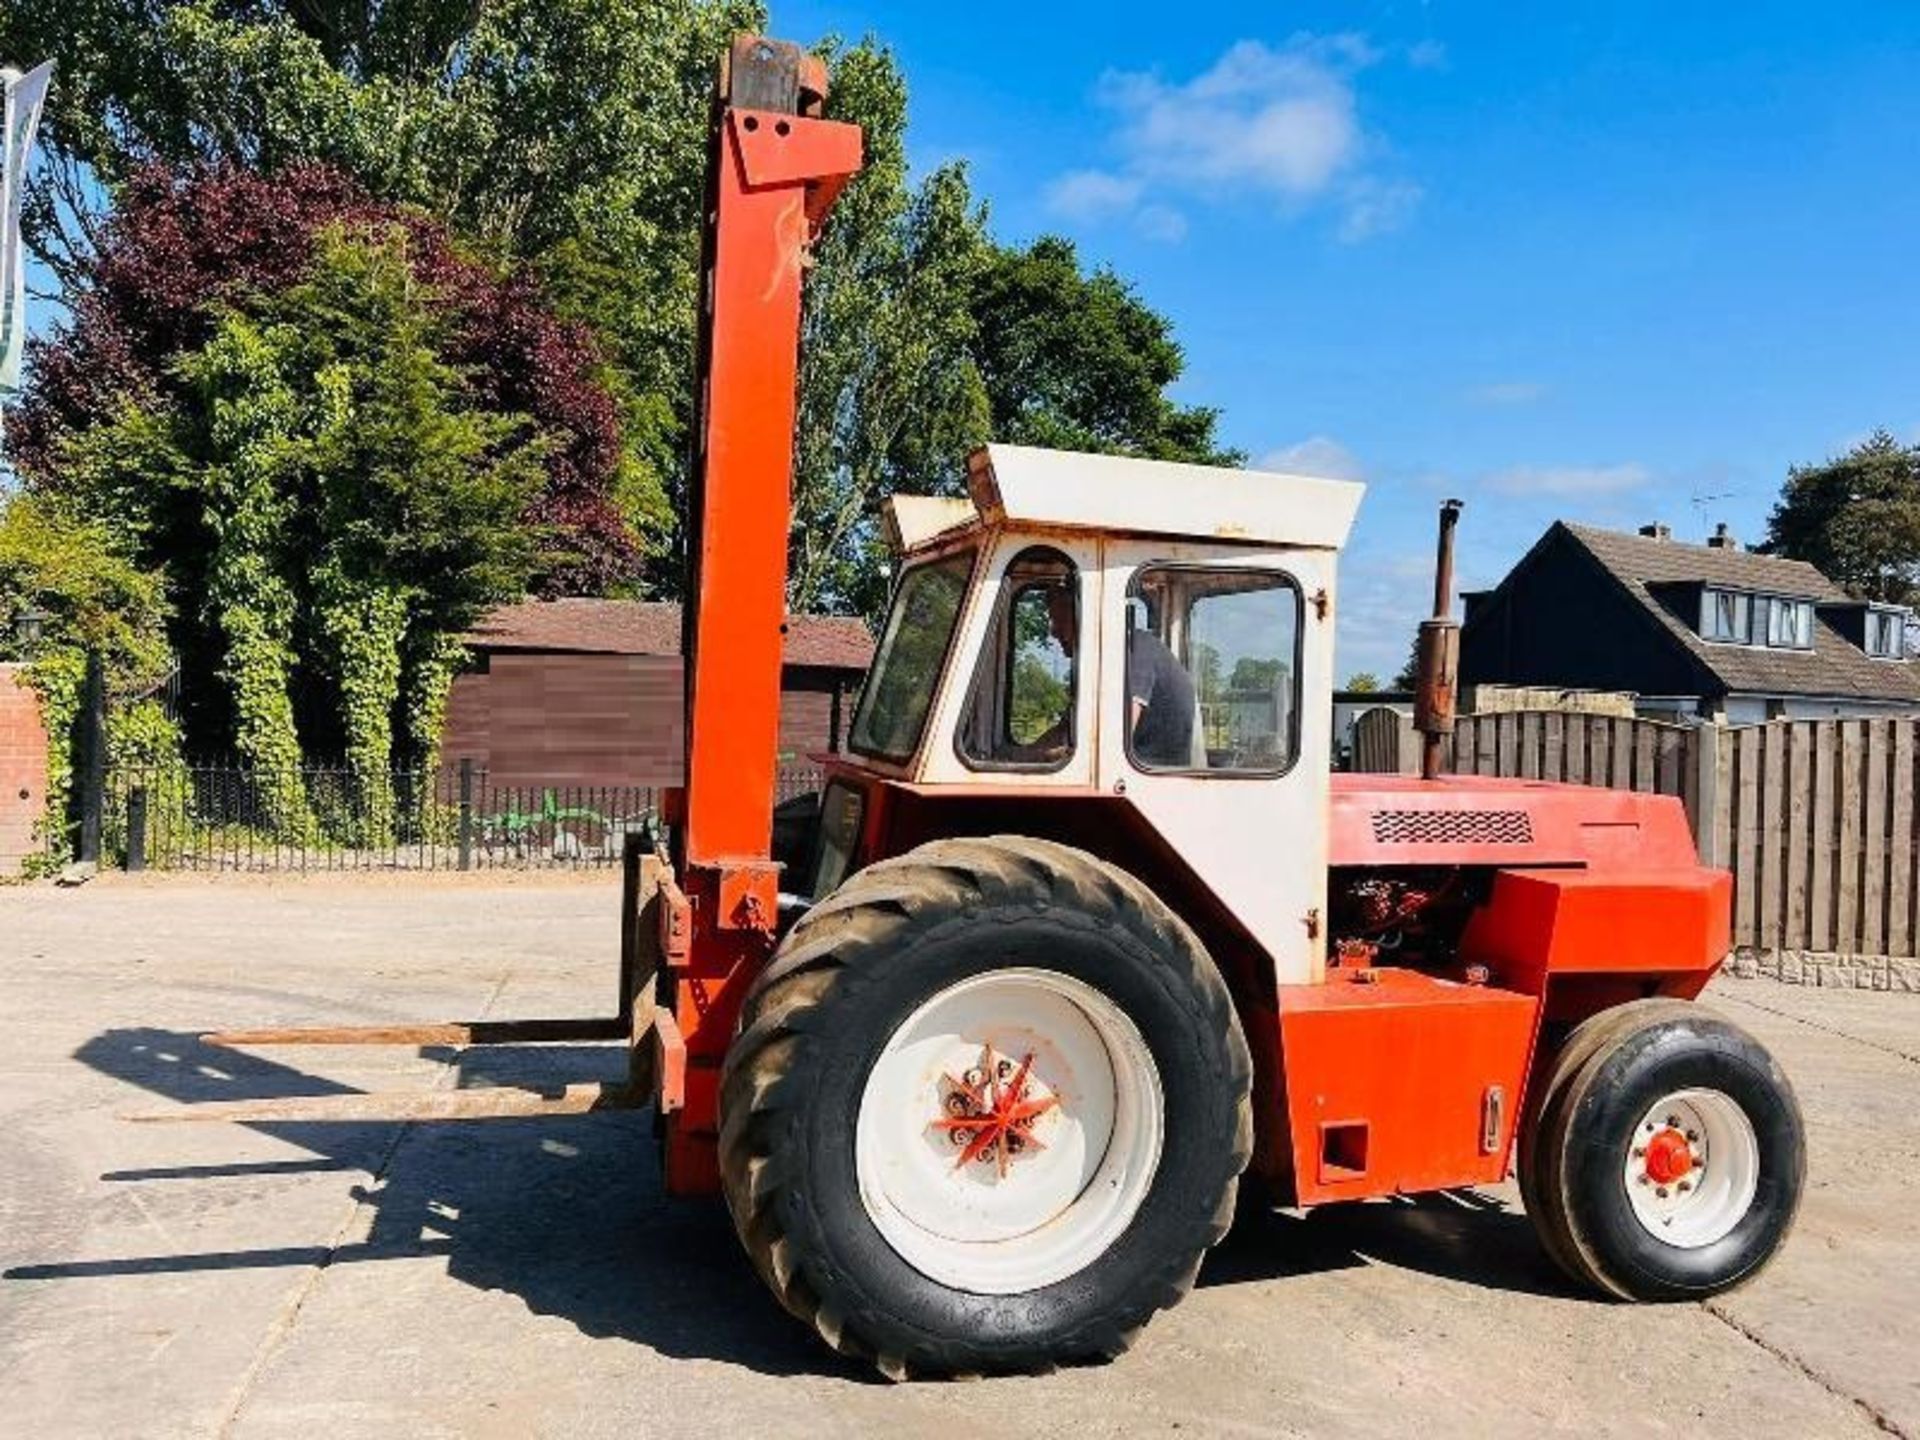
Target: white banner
24 96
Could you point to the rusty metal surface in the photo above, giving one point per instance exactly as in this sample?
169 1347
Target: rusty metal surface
1437 661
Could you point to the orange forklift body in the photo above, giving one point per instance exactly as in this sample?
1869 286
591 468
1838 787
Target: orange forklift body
1382 1080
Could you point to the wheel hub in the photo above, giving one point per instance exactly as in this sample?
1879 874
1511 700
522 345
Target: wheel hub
1692 1167
1669 1156
1009 1130
990 1110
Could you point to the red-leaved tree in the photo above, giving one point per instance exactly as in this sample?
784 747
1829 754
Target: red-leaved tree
182 242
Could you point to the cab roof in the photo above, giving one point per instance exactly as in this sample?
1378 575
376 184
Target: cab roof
1066 489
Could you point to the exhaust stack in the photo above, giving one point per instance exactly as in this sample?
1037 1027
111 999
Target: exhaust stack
1437 664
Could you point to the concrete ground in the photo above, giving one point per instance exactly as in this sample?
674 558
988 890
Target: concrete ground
528 1278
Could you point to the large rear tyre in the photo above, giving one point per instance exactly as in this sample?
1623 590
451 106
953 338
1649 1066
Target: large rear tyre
1667 1156
986 1111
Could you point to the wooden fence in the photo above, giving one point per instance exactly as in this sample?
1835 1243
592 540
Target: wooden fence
1816 818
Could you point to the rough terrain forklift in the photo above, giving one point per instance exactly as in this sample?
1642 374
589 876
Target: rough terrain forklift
1083 938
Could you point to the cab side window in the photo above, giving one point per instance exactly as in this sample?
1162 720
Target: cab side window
1020 712
1212 670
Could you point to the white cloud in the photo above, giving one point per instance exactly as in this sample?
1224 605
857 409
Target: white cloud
1278 121
1319 455
1508 392
1562 481
1427 55
1373 207
1092 195
1160 222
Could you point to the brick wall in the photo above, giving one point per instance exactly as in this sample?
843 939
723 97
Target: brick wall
23 768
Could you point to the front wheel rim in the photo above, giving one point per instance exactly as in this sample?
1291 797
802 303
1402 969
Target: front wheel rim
1692 1168
1009 1131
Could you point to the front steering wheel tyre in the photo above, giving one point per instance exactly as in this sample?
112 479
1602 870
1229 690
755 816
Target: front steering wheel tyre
986 1111
1669 1155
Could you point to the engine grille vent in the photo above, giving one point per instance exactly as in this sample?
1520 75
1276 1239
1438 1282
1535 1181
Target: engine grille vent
1452 827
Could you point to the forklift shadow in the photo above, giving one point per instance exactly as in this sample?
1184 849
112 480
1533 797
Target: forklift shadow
566 1212
1461 1235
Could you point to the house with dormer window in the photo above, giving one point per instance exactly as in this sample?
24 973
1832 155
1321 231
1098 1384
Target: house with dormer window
1711 631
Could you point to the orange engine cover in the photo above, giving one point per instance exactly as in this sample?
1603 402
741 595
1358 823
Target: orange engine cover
1673 925
1397 1082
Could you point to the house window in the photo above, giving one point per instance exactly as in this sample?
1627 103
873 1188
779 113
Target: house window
1886 634
1728 616
1732 617
1790 624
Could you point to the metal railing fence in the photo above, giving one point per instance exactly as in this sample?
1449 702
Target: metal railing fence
234 817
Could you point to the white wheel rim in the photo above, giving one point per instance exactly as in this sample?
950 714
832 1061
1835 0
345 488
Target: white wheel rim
1077 1146
1692 1168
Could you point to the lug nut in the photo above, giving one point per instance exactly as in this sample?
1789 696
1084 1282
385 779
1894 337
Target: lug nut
1005 1068
1639 1152
1661 1191
1684 1186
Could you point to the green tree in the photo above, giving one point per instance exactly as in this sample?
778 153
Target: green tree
95 596
1363 682
890 398
84 579
1408 677
1078 361
350 500
565 134
1255 676
1856 519
569 136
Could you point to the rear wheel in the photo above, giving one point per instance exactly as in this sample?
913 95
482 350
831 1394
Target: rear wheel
986 1110
1668 1154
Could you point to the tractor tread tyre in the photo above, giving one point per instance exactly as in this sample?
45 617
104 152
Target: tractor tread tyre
1613 1067
814 1022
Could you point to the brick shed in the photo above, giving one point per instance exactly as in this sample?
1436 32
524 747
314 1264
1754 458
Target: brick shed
588 692
23 768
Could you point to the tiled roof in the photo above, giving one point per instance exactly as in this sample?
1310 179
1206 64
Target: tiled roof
652 627
1835 666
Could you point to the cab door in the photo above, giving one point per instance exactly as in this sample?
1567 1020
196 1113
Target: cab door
1018 707
1215 678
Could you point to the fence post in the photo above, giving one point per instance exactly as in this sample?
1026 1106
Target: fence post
1706 792
466 812
93 744
137 828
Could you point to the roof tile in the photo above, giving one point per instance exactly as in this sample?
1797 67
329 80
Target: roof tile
652 627
1834 666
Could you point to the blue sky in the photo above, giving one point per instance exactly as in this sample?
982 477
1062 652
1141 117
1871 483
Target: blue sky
1607 263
